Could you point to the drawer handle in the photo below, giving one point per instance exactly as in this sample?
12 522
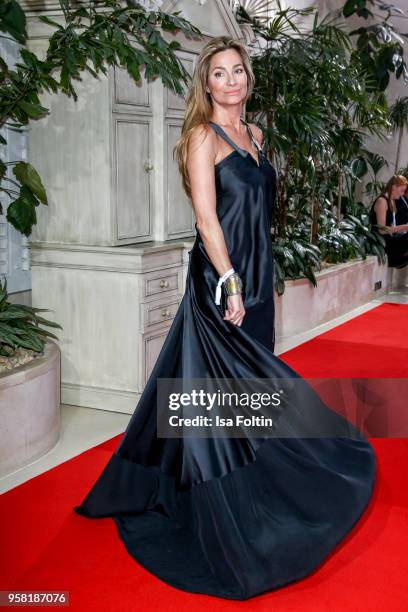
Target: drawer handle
164 283
165 313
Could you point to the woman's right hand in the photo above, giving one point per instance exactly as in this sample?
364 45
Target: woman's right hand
235 309
402 228
393 229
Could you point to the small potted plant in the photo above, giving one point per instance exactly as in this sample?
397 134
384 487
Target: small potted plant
21 337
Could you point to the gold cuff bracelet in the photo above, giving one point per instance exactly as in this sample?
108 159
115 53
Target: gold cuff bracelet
233 284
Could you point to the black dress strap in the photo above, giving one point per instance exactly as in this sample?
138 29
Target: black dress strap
225 136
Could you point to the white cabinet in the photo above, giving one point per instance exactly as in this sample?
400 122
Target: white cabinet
116 305
109 170
160 296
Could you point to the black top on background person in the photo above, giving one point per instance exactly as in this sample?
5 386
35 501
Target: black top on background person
402 209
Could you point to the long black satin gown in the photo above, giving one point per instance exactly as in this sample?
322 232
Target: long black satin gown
232 517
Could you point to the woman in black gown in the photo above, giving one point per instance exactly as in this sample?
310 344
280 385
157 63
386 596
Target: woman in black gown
231 517
388 215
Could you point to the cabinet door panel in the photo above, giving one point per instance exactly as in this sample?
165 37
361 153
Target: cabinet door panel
134 197
127 92
180 215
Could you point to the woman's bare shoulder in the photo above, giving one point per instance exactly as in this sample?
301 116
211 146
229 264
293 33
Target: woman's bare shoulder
381 202
201 153
202 140
201 132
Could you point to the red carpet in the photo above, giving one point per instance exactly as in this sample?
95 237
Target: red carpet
46 546
372 345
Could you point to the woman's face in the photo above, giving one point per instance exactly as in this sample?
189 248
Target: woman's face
397 191
227 79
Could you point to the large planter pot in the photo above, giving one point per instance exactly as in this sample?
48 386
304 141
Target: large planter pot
30 416
340 288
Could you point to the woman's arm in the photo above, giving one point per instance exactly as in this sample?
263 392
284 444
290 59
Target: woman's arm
200 166
380 208
201 155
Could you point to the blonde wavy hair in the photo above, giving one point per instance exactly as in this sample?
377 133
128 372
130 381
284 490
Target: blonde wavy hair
398 180
199 105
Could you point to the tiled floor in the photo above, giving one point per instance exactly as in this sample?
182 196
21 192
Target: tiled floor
83 428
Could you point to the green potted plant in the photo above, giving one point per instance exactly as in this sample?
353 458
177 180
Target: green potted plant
21 337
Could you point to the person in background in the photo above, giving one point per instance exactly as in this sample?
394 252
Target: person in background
388 216
402 207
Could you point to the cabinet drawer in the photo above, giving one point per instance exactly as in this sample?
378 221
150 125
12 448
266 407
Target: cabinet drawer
152 345
160 283
157 312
